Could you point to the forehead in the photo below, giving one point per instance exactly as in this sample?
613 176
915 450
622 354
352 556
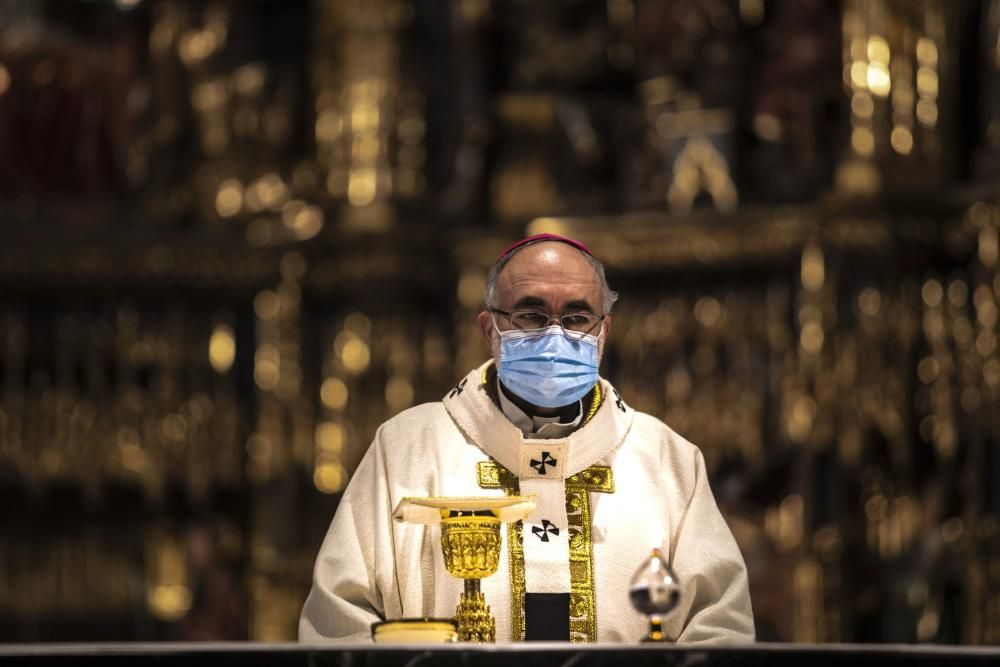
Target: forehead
551 271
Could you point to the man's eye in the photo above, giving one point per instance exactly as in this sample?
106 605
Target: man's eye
536 319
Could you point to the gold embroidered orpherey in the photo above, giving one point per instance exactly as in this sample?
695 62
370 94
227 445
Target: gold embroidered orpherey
492 475
582 600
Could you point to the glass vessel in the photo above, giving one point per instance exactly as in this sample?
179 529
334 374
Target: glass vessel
655 592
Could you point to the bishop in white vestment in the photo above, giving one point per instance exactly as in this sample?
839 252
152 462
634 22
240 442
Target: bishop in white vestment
610 484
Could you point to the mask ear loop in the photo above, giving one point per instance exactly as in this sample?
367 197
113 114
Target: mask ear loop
601 325
578 336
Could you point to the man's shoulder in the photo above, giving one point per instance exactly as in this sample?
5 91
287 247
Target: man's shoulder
654 432
418 417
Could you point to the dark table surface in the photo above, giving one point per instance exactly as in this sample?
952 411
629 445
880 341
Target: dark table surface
505 655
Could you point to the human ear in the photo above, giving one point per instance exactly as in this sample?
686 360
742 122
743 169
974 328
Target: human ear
485 322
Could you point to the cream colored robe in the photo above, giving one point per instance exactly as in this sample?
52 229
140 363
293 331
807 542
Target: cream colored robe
639 484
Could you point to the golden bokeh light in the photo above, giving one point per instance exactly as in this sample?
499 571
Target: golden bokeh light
862 104
330 437
927 370
169 602
863 141
927 52
398 393
989 245
878 79
811 338
329 477
361 186
306 223
927 82
813 273
958 293
329 126
870 301
249 80
358 323
708 311
901 140
859 74
471 287
355 355
333 393
229 198
267 304
878 50
932 292
222 348
927 112
266 371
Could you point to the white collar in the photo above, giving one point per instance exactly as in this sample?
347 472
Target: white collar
536 426
485 424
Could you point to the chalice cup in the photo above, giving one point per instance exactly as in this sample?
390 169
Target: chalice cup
471 545
470 542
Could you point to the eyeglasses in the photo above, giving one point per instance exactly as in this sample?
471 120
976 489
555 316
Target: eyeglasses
579 323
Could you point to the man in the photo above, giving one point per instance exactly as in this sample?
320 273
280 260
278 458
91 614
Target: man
611 483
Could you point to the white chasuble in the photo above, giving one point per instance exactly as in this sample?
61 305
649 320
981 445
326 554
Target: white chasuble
607 492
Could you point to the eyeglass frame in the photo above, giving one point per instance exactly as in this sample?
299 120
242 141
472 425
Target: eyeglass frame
509 314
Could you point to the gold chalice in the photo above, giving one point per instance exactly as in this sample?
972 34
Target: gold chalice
470 541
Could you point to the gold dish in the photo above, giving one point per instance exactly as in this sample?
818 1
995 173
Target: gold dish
415 631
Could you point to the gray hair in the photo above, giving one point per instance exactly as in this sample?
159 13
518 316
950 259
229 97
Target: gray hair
609 295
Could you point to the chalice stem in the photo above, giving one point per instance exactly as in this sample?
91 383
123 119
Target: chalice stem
475 622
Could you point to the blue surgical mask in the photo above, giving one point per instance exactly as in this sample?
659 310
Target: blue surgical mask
547 367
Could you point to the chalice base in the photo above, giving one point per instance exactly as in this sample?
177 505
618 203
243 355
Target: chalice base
655 630
475 622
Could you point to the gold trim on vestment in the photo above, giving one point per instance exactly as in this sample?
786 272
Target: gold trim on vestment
594 404
582 599
492 475
594 478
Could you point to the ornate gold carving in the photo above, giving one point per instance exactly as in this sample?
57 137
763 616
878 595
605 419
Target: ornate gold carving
582 599
471 545
475 621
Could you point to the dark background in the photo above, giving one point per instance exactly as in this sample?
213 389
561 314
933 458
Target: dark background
237 236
